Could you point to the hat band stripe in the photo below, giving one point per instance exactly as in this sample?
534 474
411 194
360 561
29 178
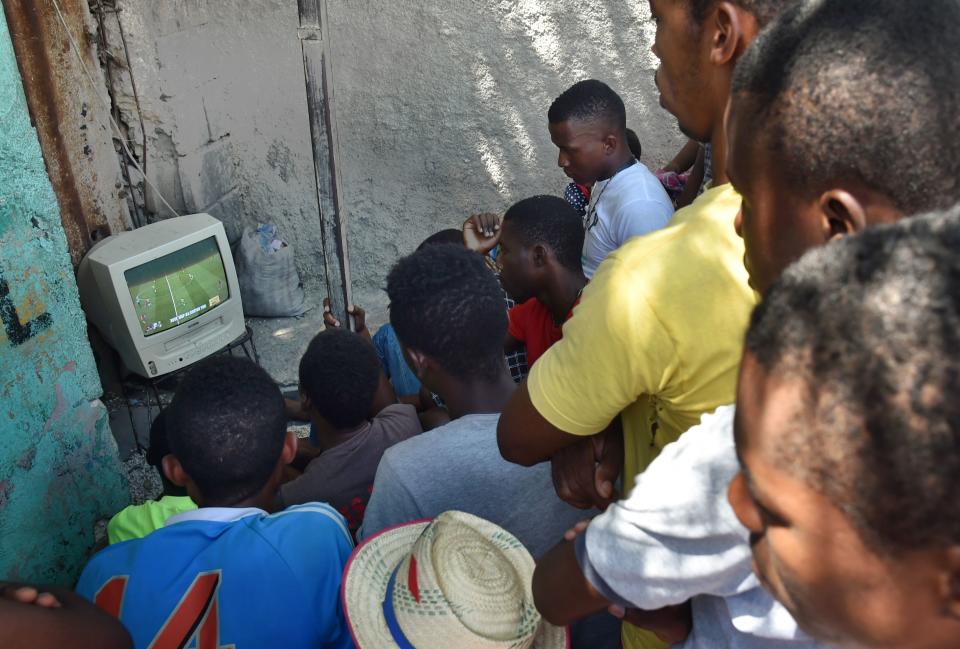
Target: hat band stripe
390 616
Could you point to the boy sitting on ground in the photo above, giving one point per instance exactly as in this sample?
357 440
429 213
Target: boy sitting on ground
339 375
539 261
228 573
137 521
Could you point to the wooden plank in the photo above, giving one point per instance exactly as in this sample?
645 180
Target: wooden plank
316 65
310 13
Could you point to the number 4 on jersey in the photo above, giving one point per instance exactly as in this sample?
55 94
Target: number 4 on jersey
194 623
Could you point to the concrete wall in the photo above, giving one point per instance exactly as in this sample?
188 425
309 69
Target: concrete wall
221 86
441 108
59 470
71 114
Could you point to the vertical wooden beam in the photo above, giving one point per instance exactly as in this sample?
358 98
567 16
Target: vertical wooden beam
323 130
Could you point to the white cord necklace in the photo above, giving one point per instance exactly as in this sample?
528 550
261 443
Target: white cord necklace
592 218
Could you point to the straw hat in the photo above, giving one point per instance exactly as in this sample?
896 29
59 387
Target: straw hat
457 581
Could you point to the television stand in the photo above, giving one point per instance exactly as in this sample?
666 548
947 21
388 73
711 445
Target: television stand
244 342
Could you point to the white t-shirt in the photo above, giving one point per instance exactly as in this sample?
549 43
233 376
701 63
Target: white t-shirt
676 538
631 203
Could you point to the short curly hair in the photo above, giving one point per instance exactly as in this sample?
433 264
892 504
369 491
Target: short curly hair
226 426
339 374
589 100
861 90
552 221
870 328
764 10
445 303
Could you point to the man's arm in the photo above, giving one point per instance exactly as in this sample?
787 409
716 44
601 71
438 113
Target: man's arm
56 617
524 436
564 595
561 592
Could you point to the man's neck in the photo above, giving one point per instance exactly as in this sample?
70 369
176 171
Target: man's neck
477 396
562 292
262 500
719 155
617 161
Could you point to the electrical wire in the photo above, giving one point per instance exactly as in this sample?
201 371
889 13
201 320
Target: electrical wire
116 127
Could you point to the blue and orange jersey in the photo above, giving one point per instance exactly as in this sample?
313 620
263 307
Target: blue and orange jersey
229 577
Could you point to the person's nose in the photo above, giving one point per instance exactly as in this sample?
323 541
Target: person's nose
738 223
562 160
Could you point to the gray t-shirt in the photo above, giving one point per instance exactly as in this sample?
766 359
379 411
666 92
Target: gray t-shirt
676 538
458 466
343 475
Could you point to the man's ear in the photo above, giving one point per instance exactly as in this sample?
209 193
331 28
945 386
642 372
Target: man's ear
289 448
731 26
174 470
539 255
950 583
610 142
843 214
305 404
418 362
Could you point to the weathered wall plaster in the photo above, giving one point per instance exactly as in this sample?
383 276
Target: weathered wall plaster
59 470
441 109
221 86
71 113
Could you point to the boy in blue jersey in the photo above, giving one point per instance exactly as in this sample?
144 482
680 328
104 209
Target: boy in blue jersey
228 573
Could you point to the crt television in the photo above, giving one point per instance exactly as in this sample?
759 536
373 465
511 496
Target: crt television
164 295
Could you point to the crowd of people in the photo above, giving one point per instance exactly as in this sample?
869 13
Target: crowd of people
716 409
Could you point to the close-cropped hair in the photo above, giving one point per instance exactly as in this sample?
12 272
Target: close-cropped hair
449 235
445 303
764 11
633 142
590 101
860 90
870 328
227 426
339 374
552 222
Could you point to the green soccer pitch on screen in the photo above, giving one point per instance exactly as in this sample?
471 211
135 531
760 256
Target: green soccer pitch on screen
179 287
164 295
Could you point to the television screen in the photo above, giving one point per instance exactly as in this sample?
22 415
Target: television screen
178 287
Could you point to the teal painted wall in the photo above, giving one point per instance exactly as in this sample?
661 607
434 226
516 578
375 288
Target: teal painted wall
59 468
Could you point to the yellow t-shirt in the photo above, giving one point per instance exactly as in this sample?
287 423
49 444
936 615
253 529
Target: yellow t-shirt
657 338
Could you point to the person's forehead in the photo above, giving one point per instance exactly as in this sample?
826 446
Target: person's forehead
508 233
770 408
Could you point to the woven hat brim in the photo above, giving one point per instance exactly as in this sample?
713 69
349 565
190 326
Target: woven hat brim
365 586
365 582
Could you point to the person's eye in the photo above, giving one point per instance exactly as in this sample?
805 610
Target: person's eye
770 519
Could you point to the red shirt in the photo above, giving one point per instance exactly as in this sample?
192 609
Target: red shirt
532 324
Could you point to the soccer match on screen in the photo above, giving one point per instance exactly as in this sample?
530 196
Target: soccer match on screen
179 287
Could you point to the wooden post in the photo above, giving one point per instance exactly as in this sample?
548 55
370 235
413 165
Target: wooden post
326 155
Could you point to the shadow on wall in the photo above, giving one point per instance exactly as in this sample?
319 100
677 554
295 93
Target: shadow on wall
442 109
